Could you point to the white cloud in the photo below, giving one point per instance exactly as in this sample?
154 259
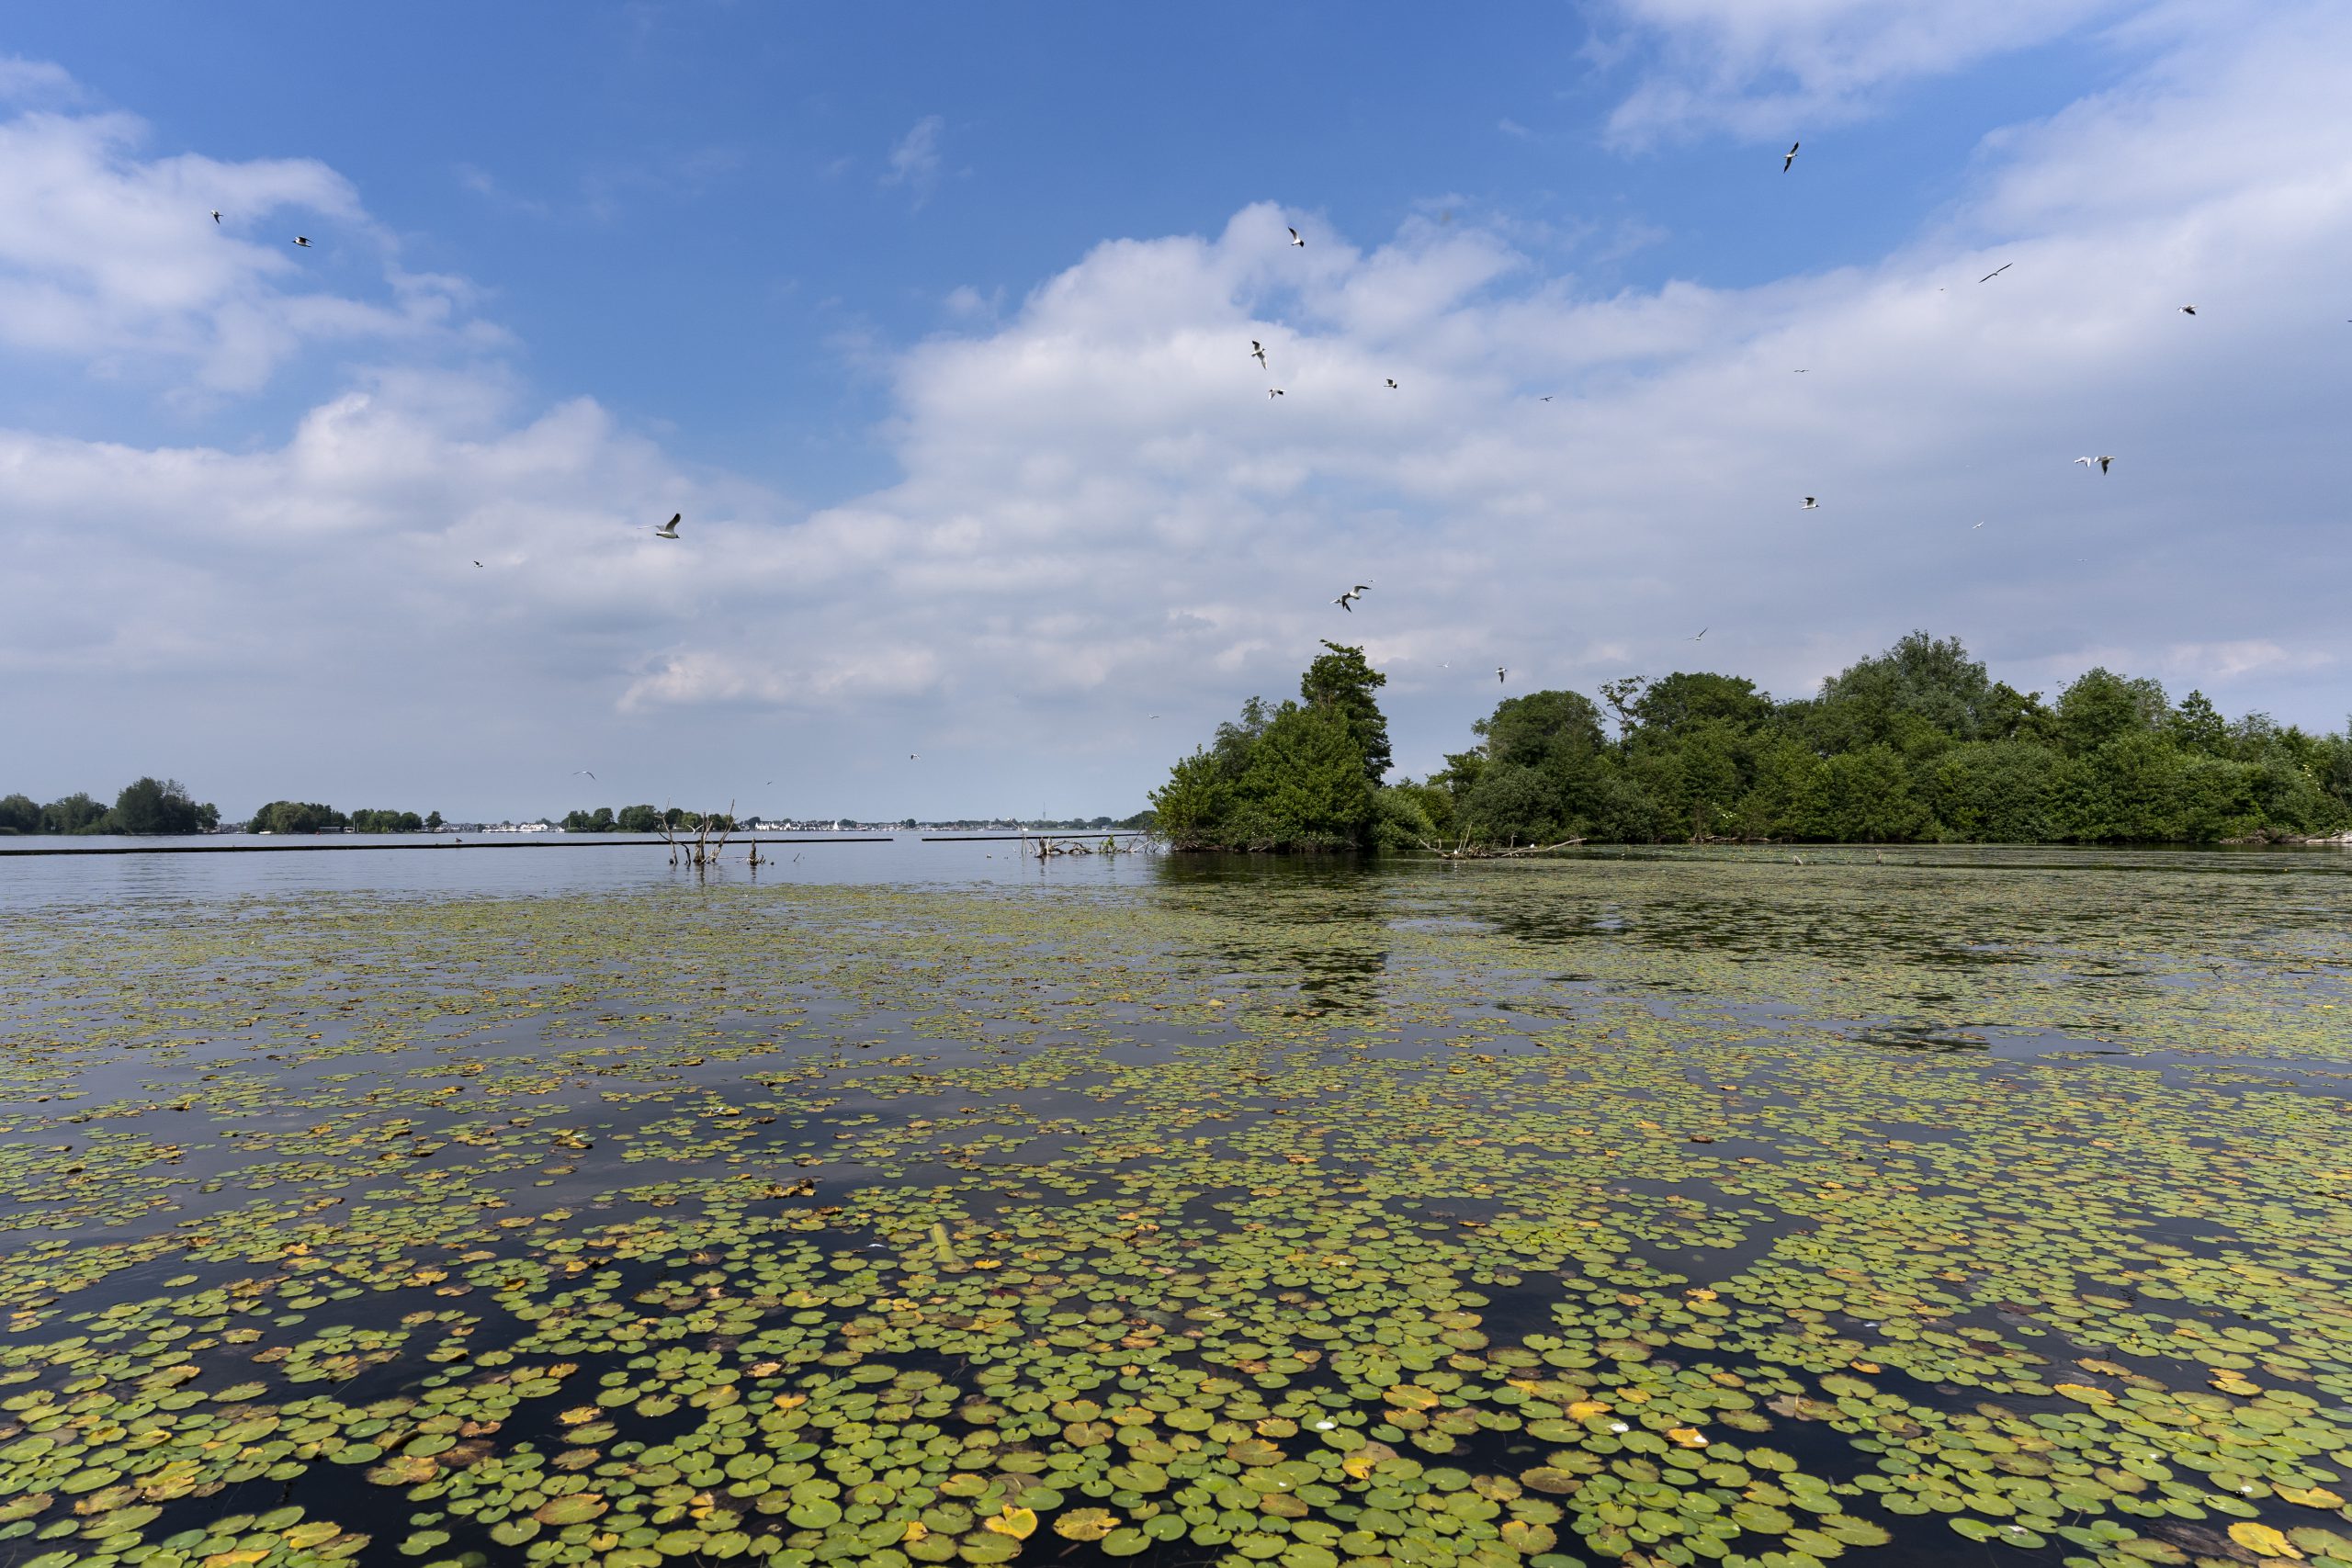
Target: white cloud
1778 67
914 162
34 82
113 259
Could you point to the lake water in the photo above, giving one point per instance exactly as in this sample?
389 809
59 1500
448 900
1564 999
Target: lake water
914 1203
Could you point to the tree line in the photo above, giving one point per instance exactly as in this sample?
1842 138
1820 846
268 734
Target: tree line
1917 744
164 806
144 806
642 819
310 817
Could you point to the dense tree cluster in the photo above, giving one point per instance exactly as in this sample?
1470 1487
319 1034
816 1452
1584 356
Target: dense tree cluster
310 817
638 820
145 805
1304 776
1916 744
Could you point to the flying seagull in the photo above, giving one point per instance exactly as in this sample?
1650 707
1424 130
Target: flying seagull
1295 237
303 240
1274 391
215 215
1347 601
1809 505
1392 383
2102 460
1791 156
476 563
2188 309
1996 272
670 530
1258 352
577 771
1500 673
1545 398
1702 633
1975 526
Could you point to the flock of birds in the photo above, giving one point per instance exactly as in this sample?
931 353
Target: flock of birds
1347 600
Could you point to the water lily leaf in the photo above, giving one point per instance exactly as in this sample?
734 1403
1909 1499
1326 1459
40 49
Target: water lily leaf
574 1509
1086 1524
2262 1540
1018 1523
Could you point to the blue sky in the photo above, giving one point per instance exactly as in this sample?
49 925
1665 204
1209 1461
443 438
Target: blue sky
935 319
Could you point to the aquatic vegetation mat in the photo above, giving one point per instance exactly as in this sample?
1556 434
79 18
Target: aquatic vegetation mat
1664 1211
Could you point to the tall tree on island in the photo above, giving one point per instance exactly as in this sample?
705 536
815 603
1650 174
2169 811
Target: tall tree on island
1342 682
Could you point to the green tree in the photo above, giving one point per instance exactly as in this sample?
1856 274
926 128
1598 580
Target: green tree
1994 792
638 820
1930 679
1711 785
1307 786
296 816
1617 809
75 813
1868 799
2101 706
2197 725
1511 803
1541 729
1680 701
154 805
433 821
2127 789
1193 805
20 814
1341 681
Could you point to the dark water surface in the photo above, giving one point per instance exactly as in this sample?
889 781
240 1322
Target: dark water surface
915 1202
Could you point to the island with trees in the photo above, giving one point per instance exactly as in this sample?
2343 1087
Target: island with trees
145 805
1917 744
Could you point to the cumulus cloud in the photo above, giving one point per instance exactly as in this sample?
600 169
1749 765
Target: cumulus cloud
1759 67
112 259
1099 515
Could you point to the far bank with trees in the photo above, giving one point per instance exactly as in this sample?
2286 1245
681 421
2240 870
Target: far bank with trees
1917 744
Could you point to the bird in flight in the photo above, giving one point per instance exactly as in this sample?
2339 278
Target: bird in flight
1258 352
1806 372
1500 673
1702 633
1392 383
215 215
1294 238
476 563
303 240
1996 272
577 771
1809 505
1545 398
912 757
2188 309
1976 527
1348 601
2102 460
1791 156
670 530
1274 391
